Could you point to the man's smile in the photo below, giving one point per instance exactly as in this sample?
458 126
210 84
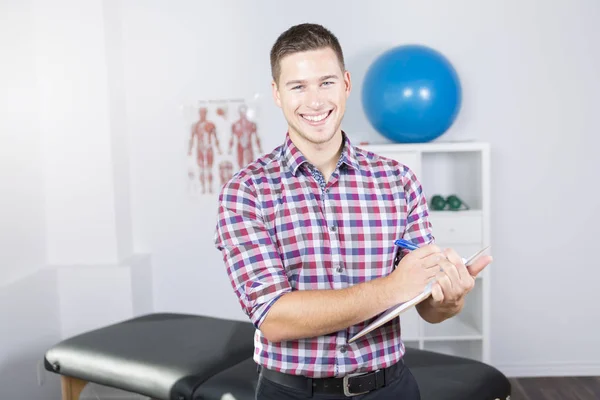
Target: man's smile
316 119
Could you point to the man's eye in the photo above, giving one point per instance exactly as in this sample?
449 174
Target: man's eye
327 83
297 87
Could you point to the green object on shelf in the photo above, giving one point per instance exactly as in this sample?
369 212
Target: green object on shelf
437 203
452 202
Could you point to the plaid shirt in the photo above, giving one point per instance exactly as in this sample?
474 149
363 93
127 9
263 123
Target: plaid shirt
281 227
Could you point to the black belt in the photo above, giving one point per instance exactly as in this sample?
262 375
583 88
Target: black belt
349 385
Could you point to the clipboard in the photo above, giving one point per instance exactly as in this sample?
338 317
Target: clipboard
395 311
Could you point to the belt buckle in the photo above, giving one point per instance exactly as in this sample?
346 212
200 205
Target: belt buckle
346 385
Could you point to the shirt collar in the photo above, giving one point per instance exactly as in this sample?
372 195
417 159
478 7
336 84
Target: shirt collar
293 157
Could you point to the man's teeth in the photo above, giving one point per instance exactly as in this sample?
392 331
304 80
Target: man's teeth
316 118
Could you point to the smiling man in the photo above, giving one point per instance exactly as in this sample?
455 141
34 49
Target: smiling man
307 231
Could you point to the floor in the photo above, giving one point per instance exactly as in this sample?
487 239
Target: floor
567 388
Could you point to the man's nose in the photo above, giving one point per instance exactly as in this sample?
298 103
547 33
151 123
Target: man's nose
315 99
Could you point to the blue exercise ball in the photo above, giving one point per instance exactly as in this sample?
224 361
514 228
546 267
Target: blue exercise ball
411 94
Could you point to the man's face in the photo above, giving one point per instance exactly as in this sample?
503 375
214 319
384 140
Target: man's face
312 92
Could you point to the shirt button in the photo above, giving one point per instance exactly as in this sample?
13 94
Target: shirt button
339 269
332 228
343 349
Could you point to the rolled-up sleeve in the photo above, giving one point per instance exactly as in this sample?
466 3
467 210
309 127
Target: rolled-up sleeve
253 264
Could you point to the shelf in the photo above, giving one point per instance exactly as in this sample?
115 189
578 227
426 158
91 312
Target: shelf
457 172
455 229
451 329
411 343
410 339
431 147
460 168
458 214
467 325
410 323
472 349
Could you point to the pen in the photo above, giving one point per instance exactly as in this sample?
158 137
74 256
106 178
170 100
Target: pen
405 244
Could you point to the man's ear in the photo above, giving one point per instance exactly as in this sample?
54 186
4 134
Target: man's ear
276 93
348 83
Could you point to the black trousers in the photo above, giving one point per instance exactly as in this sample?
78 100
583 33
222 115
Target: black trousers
405 387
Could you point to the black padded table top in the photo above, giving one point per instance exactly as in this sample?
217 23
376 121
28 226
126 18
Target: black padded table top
164 356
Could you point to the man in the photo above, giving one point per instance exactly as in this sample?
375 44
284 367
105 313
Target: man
307 234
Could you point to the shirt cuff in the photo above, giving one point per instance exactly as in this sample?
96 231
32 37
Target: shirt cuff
260 312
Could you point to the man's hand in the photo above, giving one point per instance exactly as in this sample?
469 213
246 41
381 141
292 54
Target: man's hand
415 271
452 284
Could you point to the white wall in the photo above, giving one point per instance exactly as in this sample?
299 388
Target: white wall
31 324
28 295
66 261
22 208
528 74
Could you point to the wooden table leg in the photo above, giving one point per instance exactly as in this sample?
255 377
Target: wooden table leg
71 387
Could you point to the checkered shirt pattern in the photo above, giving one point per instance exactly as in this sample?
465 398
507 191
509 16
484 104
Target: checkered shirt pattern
281 227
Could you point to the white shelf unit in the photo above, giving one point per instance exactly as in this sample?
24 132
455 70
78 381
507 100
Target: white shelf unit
463 169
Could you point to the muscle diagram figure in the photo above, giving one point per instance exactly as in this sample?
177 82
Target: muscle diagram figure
205 135
225 171
244 131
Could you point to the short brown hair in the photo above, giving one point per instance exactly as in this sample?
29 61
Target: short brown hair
303 37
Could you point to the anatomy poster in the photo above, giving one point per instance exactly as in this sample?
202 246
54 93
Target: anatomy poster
223 137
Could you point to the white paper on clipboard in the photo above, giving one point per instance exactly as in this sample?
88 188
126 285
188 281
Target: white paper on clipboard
395 311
